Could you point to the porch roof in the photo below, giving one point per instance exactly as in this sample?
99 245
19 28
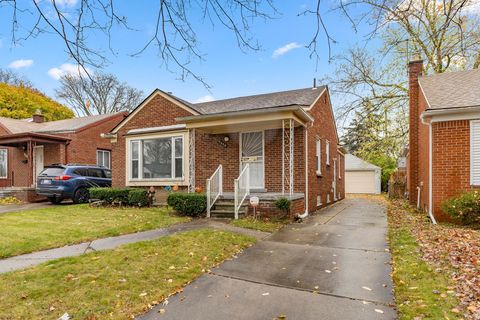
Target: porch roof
266 118
16 139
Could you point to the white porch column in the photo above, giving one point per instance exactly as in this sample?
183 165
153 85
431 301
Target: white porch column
191 160
288 128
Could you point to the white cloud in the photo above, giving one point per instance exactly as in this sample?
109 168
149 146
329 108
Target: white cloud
474 7
67 68
282 50
206 98
20 63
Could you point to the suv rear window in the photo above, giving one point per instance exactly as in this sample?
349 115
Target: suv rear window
96 173
55 171
80 172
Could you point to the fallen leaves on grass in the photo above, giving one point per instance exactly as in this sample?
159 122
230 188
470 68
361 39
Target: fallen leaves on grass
451 250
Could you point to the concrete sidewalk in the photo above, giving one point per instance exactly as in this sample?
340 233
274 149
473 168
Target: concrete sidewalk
334 266
31 259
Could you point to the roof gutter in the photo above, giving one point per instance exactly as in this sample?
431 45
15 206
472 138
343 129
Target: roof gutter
215 116
448 111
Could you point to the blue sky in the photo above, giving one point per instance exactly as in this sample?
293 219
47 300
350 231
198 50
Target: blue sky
226 68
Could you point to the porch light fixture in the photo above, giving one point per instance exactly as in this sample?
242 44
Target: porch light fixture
226 138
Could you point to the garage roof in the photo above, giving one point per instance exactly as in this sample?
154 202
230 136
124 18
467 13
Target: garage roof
353 163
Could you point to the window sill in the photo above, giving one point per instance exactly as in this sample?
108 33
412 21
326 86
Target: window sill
157 182
318 173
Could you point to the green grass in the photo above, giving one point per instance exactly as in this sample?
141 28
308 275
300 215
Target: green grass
33 230
420 292
259 224
115 284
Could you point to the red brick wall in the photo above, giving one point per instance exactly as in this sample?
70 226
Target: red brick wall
451 162
417 168
324 128
423 158
84 144
267 209
158 112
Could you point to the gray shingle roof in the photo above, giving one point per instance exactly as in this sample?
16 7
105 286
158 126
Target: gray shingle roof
452 89
354 163
300 97
19 126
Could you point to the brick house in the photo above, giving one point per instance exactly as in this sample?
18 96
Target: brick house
26 146
281 144
444 144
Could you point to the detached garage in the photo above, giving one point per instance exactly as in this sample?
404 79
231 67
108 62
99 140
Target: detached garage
361 176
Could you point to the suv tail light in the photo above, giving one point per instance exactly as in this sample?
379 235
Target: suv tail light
64 177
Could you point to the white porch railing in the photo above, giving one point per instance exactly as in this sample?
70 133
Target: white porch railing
242 188
214 188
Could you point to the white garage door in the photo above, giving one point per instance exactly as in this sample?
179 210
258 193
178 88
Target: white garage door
360 182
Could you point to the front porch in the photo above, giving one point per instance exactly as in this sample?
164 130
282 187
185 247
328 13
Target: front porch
26 155
224 206
249 154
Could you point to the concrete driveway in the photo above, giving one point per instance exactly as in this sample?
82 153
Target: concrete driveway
333 266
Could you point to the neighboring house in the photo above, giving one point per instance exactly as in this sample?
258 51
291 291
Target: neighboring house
444 147
281 144
26 146
361 176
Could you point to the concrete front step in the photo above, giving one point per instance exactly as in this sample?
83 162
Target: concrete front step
225 214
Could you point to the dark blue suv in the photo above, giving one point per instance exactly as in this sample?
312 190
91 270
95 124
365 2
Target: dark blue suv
58 182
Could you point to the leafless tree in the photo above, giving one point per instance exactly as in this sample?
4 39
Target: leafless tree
174 36
445 34
441 31
12 78
97 94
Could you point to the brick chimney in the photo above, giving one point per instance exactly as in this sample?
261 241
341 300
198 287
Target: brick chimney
38 117
415 69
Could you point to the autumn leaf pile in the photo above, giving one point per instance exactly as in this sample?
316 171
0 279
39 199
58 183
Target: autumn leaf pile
452 250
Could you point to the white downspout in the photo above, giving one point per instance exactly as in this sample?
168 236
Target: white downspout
430 179
305 214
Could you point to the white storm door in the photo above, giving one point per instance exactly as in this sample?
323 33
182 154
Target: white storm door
37 162
251 152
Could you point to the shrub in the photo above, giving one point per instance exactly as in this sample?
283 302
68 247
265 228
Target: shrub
464 208
283 204
189 204
138 197
110 195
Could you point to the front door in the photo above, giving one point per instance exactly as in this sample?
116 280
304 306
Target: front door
37 162
251 152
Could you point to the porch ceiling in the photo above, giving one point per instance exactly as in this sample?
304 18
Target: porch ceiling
269 118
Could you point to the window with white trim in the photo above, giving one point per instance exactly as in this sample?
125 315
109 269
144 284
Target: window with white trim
3 163
157 158
103 158
475 152
339 167
318 156
327 152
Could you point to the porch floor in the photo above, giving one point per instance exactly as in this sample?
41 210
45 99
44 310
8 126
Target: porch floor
266 195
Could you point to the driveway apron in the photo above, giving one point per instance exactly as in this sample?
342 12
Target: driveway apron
335 265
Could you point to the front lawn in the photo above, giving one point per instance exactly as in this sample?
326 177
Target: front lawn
259 224
33 230
423 289
115 284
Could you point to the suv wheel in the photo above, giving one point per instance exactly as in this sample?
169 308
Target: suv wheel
55 200
81 196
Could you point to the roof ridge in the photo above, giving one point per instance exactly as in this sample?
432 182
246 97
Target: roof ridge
262 94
